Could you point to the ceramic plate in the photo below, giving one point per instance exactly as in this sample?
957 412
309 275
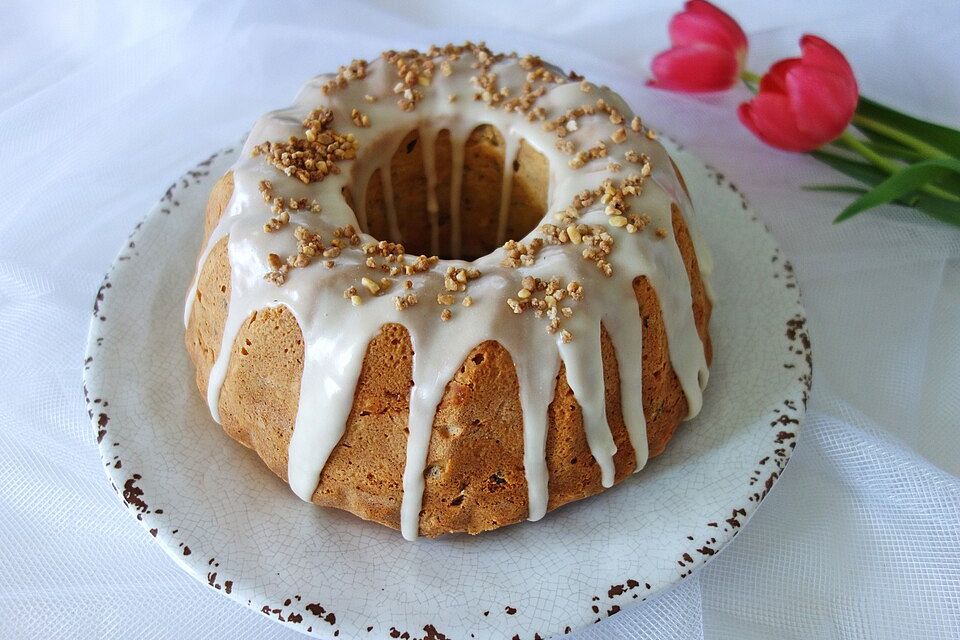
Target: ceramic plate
226 519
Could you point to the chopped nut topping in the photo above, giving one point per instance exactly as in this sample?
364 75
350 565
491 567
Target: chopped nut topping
313 157
519 253
445 298
360 119
276 222
661 232
467 301
619 135
371 286
282 207
357 70
405 301
446 314
565 146
543 298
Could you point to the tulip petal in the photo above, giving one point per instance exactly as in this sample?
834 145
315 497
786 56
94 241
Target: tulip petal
774 80
822 101
690 28
817 52
694 68
769 117
723 21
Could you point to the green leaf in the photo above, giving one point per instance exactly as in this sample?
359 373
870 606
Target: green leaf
834 188
890 148
942 210
936 135
894 150
937 208
860 171
904 182
886 145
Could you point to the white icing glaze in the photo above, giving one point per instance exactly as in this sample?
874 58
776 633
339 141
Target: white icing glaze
336 333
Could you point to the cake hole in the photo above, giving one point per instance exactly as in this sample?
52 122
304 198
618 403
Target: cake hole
409 221
456 502
432 471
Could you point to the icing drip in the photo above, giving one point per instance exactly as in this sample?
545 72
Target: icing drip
582 361
537 381
336 332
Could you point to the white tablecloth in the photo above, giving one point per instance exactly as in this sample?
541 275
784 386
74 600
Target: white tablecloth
103 104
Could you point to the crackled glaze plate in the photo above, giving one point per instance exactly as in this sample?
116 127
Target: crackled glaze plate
219 512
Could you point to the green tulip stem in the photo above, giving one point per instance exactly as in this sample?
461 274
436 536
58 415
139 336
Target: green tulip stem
886 164
750 80
921 147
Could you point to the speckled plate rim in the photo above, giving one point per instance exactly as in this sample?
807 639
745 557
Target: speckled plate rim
693 539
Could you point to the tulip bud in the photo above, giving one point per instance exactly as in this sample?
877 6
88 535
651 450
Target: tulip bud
708 50
804 102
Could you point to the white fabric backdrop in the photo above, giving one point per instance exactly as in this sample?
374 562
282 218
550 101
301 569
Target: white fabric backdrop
103 104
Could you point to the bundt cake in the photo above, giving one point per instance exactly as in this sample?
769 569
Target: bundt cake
450 290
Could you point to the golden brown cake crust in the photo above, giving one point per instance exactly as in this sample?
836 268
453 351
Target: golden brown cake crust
475 475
